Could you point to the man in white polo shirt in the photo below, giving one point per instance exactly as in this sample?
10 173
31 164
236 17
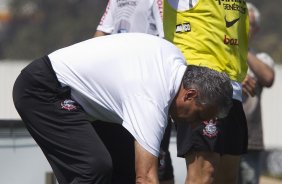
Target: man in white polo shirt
59 95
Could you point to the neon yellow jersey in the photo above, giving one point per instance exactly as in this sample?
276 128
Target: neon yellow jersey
214 33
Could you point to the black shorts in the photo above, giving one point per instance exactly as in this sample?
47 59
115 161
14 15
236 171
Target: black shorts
224 136
60 126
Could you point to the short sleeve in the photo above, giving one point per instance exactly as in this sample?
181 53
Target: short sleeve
106 24
266 59
157 12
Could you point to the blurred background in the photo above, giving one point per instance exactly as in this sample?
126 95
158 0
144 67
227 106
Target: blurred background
32 28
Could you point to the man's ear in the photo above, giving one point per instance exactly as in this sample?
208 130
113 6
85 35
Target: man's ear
190 94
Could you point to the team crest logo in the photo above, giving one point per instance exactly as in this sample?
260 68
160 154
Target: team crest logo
210 129
68 105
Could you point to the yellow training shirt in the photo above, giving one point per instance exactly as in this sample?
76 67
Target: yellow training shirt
214 33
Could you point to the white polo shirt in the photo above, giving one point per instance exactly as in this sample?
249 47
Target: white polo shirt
129 79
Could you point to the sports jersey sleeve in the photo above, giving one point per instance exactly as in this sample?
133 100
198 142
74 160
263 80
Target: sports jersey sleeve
157 13
106 24
145 121
266 59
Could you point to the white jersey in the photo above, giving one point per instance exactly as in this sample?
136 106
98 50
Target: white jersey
144 16
129 79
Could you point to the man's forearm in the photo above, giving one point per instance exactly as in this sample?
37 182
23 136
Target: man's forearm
146 166
263 72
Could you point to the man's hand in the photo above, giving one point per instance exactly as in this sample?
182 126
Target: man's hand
249 85
146 166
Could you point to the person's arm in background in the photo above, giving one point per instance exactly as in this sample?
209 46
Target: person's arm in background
106 25
146 166
262 67
260 64
263 72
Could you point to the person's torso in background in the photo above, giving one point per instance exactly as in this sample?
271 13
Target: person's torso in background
252 108
211 33
122 16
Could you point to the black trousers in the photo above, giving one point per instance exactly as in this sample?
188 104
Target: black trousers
60 127
120 144
124 161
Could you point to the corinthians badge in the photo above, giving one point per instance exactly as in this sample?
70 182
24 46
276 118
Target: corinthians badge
68 105
210 129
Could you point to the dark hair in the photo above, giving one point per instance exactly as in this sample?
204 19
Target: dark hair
213 87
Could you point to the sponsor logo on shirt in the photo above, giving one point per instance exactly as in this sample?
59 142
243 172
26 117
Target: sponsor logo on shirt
230 6
230 23
122 3
181 28
232 1
230 41
233 5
